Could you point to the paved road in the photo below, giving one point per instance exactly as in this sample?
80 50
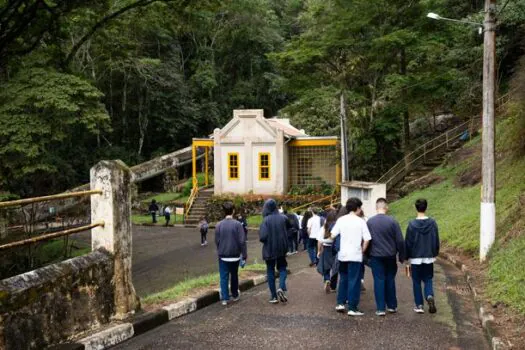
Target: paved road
309 321
164 256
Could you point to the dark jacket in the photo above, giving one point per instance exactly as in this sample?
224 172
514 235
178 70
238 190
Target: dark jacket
153 207
273 232
230 239
422 239
293 225
387 239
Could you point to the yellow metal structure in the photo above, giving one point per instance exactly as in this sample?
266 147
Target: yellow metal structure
314 142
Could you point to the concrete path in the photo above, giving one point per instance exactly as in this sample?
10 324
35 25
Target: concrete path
309 321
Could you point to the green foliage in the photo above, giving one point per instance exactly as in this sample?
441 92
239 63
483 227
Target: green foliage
201 180
41 111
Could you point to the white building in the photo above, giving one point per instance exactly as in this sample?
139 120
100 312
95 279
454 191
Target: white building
252 154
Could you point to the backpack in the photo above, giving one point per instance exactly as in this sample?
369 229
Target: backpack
204 228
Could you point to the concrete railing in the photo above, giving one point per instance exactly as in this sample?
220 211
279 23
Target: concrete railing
49 305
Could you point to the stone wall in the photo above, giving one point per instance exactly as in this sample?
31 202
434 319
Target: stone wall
51 304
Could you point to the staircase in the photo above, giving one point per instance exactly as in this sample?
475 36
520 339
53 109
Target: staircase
425 158
422 169
198 208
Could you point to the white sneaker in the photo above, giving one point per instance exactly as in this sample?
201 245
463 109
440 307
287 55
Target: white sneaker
380 313
391 311
224 302
340 308
419 309
355 313
237 297
274 301
281 294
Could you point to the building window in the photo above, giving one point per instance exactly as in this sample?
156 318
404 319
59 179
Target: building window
264 166
233 166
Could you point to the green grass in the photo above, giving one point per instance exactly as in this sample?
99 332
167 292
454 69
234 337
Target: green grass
254 220
457 210
140 219
166 197
53 251
185 287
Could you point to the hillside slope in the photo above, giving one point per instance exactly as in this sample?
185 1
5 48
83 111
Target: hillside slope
455 204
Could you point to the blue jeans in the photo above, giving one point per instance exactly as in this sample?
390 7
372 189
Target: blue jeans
270 271
227 270
312 250
422 273
349 284
384 270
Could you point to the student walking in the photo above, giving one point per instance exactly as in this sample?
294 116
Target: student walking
354 240
231 248
153 209
304 228
244 224
422 247
273 235
315 228
167 215
293 231
327 254
387 243
203 228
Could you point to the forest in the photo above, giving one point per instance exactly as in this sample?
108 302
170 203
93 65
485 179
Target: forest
82 81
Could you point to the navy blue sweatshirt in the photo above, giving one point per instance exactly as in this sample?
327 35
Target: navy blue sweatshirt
230 239
422 239
273 232
387 239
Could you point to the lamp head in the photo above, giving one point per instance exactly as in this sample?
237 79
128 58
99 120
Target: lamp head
433 15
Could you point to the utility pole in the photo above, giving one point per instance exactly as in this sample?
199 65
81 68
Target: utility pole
344 142
488 172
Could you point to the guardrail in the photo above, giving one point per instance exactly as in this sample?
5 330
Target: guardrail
45 237
189 202
401 169
424 152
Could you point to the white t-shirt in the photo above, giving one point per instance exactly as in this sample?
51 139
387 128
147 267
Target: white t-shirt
314 227
353 231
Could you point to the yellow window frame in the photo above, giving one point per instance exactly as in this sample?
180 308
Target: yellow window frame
266 167
232 167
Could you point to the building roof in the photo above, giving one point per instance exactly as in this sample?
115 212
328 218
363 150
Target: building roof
285 126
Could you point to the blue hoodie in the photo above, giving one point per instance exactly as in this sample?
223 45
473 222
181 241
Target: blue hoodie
273 232
422 239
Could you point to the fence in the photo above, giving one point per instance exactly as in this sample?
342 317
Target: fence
55 302
420 155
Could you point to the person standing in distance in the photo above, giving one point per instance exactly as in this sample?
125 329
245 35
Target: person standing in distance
387 242
231 248
354 240
273 235
315 232
422 247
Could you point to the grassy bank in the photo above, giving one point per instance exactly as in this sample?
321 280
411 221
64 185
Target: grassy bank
186 287
456 209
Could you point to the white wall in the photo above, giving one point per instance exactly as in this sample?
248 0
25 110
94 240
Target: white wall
264 186
369 205
234 186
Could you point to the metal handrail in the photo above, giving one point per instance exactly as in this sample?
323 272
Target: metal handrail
191 199
501 102
66 195
313 202
422 147
49 236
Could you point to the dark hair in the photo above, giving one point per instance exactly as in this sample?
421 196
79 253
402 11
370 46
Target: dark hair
352 204
342 211
331 217
307 215
228 208
421 205
381 200
298 213
285 211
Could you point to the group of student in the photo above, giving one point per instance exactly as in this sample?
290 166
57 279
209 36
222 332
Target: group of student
154 209
340 243
347 241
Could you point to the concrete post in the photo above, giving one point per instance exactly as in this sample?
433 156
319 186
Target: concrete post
114 207
3 224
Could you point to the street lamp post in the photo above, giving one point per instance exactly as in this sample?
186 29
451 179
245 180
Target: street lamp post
488 172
